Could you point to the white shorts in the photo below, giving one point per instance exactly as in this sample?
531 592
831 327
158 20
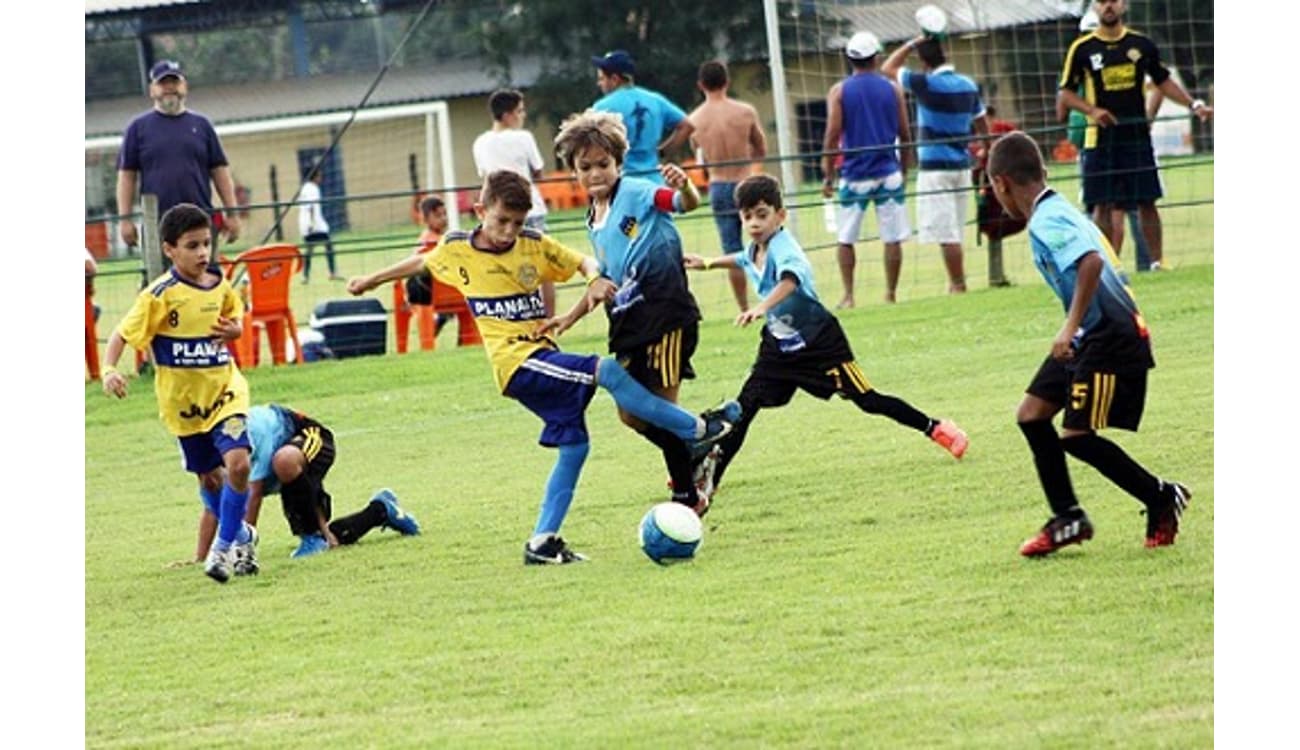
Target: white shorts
891 214
943 196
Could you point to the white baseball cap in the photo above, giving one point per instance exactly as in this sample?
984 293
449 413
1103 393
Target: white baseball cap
1089 21
862 46
932 19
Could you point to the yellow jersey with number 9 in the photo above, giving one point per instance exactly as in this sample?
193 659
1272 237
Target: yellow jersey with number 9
195 376
503 291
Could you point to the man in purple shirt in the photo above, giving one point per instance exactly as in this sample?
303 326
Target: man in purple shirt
174 154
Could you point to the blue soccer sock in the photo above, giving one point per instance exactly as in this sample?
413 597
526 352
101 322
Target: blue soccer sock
559 488
230 522
638 401
211 500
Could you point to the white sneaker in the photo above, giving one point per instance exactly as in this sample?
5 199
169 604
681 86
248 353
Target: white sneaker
245 555
218 565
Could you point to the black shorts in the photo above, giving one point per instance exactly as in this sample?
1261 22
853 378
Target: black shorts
1122 173
823 368
1093 396
316 442
665 362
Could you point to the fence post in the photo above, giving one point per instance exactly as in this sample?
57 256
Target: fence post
997 276
150 246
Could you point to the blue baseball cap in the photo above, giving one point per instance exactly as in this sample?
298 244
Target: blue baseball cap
617 61
164 68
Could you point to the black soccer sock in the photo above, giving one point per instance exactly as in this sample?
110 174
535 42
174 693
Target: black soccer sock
1049 460
678 460
730 445
298 499
349 529
1116 465
874 402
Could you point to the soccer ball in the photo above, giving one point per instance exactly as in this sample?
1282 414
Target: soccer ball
670 532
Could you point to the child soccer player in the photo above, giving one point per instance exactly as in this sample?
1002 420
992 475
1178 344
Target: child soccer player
803 345
500 266
291 454
185 317
416 293
1097 368
653 318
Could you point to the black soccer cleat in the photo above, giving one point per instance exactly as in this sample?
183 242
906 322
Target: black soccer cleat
1162 523
554 551
1058 532
718 423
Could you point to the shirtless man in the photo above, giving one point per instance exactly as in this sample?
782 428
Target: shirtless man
728 137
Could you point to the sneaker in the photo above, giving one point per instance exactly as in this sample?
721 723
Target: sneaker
554 551
398 519
951 437
717 425
1058 532
1162 524
245 555
218 565
312 544
704 473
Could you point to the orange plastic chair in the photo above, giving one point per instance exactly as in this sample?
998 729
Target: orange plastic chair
271 270
448 299
402 315
92 340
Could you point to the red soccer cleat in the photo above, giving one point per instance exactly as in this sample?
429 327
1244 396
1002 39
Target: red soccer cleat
1057 533
951 437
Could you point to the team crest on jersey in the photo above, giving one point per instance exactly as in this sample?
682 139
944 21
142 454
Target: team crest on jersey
628 227
233 427
1134 54
1095 59
527 275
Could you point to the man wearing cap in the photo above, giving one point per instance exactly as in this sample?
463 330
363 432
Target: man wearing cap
865 113
172 153
948 107
646 114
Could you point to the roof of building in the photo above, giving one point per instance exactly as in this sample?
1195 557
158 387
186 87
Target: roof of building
894 20
229 103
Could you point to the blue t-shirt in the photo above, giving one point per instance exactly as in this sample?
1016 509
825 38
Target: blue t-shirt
639 249
1059 237
799 317
269 428
946 102
175 155
648 117
869 106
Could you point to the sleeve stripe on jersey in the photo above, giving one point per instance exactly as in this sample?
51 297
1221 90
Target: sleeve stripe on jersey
1069 61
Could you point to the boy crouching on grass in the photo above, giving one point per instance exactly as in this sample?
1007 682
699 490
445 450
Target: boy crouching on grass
500 266
185 317
1097 368
802 345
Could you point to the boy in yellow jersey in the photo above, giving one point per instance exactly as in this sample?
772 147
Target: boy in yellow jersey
185 317
500 267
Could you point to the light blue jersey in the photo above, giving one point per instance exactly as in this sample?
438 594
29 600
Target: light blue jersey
648 117
639 249
1060 236
269 428
799 317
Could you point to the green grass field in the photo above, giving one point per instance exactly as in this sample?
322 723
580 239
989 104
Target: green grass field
856 586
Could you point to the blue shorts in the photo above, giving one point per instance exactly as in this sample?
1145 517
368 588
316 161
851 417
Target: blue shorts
722 201
557 386
204 451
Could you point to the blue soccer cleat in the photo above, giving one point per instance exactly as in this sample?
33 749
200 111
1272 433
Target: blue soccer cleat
718 423
312 544
398 519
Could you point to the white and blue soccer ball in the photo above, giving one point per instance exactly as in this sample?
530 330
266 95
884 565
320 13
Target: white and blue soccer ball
670 533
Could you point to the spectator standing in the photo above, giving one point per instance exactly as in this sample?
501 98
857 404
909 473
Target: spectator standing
653 123
868 111
313 227
175 154
727 136
1119 168
506 145
948 107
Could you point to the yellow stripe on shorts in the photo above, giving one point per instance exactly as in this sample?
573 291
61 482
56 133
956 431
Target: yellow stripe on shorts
1103 396
855 375
311 443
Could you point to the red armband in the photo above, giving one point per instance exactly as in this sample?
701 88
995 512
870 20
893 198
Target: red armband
664 199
